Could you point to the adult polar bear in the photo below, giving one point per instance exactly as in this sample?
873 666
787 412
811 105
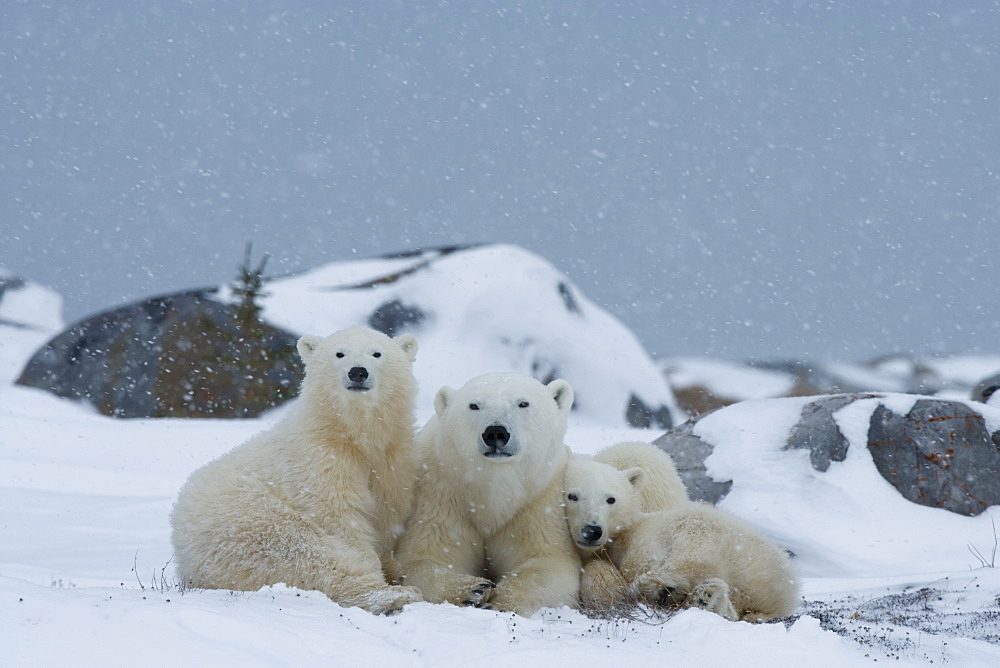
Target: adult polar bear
488 506
317 501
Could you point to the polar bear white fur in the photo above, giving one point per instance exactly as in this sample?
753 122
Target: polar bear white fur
318 500
662 487
488 527
692 555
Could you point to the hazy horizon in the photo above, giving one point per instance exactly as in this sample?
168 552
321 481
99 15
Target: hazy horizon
740 180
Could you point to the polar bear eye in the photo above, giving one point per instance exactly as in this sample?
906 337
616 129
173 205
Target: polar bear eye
611 500
376 354
340 354
523 404
473 407
572 497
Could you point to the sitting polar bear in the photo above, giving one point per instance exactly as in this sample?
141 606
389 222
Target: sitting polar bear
316 501
488 527
692 554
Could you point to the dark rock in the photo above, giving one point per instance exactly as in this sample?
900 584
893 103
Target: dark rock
689 453
638 414
566 292
986 388
394 317
182 355
940 454
817 431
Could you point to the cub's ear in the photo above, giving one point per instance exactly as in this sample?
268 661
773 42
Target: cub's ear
409 345
442 399
636 476
307 345
562 392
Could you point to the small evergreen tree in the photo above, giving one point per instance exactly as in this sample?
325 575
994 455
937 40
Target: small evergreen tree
248 288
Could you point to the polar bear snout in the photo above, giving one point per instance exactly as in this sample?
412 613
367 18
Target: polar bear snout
496 442
358 379
590 535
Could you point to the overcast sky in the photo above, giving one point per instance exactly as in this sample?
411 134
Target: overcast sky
734 179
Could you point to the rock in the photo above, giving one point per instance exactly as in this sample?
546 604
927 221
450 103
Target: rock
986 389
817 431
940 454
638 414
183 355
689 453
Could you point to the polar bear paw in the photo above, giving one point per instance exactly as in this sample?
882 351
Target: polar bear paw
661 588
712 595
390 600
480 594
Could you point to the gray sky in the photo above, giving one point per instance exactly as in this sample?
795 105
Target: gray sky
739 179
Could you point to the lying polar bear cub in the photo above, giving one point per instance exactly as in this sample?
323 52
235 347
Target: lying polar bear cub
692 554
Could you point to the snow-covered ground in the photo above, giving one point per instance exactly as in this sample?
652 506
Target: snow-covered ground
86 575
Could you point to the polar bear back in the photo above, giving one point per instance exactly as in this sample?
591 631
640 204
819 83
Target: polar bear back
663 488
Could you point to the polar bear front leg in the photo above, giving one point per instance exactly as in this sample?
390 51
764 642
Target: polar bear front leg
352 577
542 582
712 594
441 554
601 585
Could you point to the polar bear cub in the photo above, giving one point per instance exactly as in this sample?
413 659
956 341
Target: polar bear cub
488 527
318 500
692 554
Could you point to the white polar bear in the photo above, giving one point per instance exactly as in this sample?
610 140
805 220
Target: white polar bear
316 501
662 487
692 555
488 527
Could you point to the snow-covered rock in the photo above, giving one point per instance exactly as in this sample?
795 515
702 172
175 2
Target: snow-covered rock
29 315
473 310
853 483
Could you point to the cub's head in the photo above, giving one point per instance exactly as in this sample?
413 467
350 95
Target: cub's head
600 500
358 364
505 417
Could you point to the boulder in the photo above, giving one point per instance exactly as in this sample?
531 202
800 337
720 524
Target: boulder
181 355
940 454
689 453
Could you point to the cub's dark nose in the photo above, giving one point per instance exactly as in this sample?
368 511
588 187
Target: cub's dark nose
591 533
496 436
358 374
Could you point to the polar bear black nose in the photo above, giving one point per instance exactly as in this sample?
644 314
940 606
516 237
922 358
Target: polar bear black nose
358 374
591 532
496 436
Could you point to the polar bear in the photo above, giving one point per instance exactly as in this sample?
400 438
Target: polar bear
662 487
692 555
317 500
488 528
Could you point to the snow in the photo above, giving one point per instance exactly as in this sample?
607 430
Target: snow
86 576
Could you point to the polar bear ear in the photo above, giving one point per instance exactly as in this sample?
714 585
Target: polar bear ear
409 345
636 476
442 399
307 345
562 392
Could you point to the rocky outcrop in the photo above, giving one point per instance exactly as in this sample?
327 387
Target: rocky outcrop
939 454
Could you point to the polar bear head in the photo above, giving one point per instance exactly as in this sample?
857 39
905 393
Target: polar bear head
503 417
359 366
601 501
